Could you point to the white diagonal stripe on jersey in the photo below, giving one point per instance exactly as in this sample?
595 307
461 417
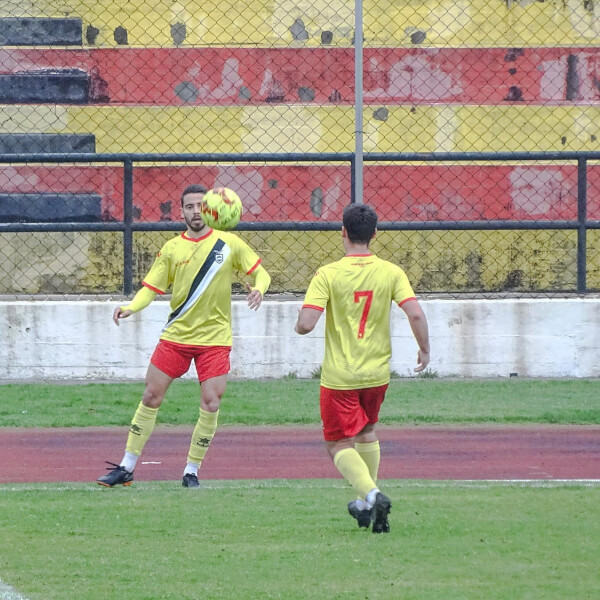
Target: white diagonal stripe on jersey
210 275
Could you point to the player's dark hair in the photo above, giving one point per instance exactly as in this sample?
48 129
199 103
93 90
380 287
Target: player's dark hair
195 188
360 222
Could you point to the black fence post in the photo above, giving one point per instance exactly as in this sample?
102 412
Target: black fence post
581 225
127 222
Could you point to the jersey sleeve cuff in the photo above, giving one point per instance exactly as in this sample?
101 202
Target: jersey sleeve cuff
152 288
406 300
319 308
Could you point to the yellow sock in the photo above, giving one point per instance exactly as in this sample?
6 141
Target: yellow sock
349 463
202 436
371 454
142 425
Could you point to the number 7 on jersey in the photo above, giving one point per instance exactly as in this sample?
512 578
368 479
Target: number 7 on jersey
368 296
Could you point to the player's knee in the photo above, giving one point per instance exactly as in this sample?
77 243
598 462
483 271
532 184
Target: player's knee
152 397
211 402
367 434
333 447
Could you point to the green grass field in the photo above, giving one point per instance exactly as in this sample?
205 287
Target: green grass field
296 401
293 539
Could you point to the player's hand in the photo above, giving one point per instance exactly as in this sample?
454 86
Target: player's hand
422 361
254 297
120 314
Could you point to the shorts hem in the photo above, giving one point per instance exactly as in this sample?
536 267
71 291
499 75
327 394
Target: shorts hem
162 370
213 376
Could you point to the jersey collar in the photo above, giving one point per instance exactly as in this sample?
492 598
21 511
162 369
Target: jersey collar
189 239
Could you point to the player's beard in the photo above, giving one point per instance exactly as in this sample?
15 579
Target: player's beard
193 224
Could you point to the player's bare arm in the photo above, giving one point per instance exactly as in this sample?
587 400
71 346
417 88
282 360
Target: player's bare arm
422 361
256 292
254 297
420 329
119 313
307 320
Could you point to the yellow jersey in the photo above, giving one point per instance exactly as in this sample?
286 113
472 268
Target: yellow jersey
200 272
357 293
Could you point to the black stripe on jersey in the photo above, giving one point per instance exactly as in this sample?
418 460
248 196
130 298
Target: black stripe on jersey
208 263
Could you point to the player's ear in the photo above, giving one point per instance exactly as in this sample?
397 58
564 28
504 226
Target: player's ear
344 232
374 234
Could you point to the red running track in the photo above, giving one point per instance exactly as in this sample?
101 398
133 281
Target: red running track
542 452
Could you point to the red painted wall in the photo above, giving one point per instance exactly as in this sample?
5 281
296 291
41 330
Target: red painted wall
280 193
209 76
230 76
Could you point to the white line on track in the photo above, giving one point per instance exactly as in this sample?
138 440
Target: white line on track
305 484
501 482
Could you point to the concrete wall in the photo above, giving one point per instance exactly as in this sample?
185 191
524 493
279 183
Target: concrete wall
490 338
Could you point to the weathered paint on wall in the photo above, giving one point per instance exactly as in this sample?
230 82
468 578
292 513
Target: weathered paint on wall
306 128
456 261
491 338
499 23
438 77
229 76
398 192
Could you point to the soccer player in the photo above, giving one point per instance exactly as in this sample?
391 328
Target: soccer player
357 293
198 265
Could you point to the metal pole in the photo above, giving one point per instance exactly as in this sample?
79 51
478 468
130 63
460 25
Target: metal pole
127 222
358 101
582 225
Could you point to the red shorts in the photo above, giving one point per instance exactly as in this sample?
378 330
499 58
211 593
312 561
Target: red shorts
346 412
175 359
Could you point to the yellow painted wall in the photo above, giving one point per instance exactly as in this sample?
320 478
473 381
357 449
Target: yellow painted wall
300 128
450 23
468 261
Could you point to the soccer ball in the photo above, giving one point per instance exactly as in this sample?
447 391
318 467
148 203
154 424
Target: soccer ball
221 208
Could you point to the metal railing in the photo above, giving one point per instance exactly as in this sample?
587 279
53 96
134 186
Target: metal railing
128 225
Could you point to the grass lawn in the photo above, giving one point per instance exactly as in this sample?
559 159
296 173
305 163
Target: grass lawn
294 539
289 401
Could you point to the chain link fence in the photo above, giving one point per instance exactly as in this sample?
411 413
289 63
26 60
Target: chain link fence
475 84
